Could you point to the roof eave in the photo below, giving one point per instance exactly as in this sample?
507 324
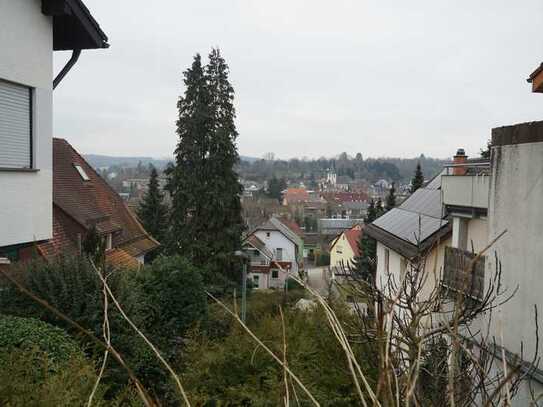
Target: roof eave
74 28
403 247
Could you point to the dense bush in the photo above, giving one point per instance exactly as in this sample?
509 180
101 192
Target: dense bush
30 333
69 284
163 299
166 298
234 370
26 379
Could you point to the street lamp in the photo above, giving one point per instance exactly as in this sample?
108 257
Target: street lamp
244 259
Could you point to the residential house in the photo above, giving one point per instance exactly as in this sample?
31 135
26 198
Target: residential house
502 199
275 245
83 200
293 196
344 248
417 227
30 31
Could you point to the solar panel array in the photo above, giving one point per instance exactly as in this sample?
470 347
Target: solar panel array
410 226
418 217
424 201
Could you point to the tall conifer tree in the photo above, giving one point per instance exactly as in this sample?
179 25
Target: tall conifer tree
418 179
206 210
152 211
225 221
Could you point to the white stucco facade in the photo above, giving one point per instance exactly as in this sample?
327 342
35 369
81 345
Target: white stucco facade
276 240
26 55
397 265
275 277
516 203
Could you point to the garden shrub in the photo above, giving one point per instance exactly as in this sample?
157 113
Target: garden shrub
30 333
27 380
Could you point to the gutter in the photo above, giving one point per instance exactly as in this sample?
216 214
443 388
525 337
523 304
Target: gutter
69 65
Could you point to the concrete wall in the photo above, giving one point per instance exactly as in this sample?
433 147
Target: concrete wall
341 252
516 205
26 57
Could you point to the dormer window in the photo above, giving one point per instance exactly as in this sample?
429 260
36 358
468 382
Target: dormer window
82 172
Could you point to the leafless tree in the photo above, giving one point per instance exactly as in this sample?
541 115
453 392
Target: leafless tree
433 334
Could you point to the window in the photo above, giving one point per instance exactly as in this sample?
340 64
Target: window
279 253
81 172
15 125
109 241
275 273
387 260
267 234
403 268
256 281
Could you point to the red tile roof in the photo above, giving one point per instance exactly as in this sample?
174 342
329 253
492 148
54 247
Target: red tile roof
293 195
352 236
79 205
118 258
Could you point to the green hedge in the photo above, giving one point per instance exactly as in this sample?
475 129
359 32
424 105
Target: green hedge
30 333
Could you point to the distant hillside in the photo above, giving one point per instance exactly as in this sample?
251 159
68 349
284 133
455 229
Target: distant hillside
103 161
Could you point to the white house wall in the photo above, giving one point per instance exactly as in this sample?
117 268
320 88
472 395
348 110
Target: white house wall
278 240
516 204
26 52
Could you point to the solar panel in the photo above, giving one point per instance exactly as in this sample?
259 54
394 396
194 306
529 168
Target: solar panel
424 201
409 226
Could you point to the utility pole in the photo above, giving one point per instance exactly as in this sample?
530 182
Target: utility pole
244 260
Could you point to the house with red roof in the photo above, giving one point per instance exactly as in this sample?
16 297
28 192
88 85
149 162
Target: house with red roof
293 196
344 248
83 200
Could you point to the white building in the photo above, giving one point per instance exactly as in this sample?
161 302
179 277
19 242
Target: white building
507 197
481 199
30 30
417 227
274 246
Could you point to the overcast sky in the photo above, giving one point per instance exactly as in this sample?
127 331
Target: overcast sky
312 78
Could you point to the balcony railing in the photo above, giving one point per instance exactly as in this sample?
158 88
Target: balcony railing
469 191
463 274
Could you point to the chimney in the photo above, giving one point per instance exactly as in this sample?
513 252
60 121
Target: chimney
458 159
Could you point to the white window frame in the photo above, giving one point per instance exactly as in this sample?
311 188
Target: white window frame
82 173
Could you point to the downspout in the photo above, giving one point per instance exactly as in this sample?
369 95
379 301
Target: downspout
71 62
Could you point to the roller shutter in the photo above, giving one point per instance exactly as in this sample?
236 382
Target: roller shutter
15 125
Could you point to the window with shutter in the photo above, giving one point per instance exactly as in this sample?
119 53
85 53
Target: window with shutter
15 125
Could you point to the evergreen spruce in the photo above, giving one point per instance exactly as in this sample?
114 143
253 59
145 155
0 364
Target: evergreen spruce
206 222
152 212
372 213
364 265
418 179
391 198
379 210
